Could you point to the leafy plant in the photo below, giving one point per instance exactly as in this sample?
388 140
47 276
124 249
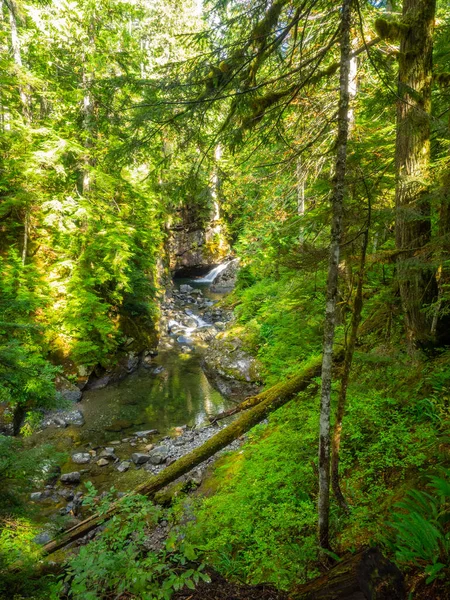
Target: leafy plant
118 561
421 529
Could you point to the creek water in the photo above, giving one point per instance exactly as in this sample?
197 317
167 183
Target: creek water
172 391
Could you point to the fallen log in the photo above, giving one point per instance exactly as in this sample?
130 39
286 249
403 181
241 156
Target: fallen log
367 575
273 398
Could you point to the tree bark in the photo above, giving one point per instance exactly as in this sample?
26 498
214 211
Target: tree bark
413 224
342 399
332 281
366 575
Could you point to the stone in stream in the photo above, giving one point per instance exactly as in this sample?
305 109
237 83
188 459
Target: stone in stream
108 453
139 458
182 339
74 417
81 458
103 462
185 288
35 496
73 477
158 455
123 466
149 447
66 494
141 434
119 425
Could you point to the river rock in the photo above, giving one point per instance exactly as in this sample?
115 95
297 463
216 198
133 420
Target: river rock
81 458
66 494
118 425
69 391
141 434
158 455
149 447
36 496
229 367
74 477
196 476
63 418
103 462
43 538
185 288
139 458
123 466
108 453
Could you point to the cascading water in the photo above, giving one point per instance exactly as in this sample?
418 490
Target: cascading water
213 274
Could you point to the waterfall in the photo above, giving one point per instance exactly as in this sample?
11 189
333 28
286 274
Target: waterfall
213 274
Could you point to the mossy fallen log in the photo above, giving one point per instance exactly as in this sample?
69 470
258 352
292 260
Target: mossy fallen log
367 575
267 402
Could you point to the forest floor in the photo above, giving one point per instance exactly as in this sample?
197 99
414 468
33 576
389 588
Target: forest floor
221 589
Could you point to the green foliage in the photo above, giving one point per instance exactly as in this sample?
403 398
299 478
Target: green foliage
282 321
260 525
421 535
26 377
19 467
117 561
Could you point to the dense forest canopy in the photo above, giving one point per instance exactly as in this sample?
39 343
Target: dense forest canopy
307 142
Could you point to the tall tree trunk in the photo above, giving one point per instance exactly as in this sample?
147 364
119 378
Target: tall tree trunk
332 281
349 351
413 226
301 175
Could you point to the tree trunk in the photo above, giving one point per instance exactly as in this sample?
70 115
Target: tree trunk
342 399
363 576
332 281
413 225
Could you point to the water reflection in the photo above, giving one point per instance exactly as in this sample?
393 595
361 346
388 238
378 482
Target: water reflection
179 394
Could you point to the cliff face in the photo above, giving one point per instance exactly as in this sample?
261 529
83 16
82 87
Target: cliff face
196 241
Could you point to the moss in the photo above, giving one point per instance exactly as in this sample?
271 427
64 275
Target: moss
390 30
442 79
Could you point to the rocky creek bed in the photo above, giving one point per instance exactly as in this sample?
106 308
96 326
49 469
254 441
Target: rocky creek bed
160 415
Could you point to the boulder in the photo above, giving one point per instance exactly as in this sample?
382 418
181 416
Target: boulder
158 455
67 390
103 462
63 418
141 434
81 458
73 477
108 454
139 458
185 288
123 466
229 367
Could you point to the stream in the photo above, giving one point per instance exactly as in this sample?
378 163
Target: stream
146 421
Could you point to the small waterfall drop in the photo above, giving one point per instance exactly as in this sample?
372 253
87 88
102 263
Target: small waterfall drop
213 274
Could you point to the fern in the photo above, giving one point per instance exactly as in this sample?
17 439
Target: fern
421 531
